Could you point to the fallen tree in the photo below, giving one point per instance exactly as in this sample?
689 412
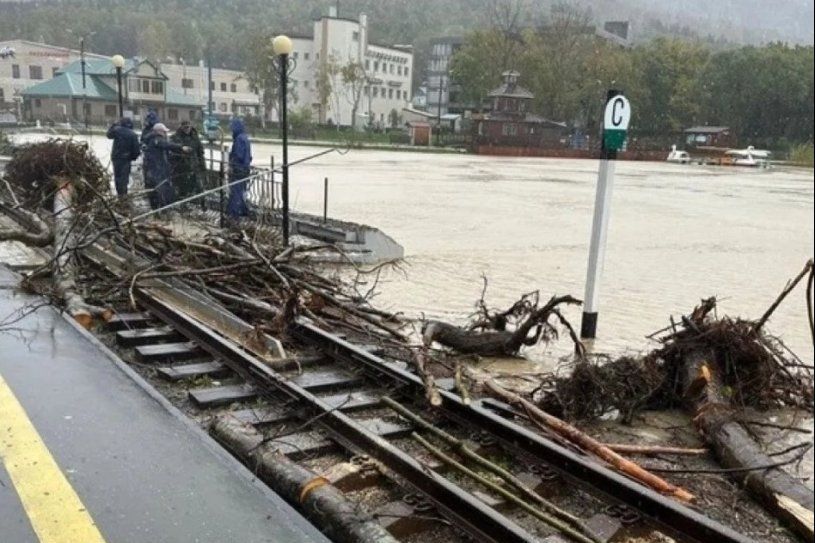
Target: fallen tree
715 367
488 335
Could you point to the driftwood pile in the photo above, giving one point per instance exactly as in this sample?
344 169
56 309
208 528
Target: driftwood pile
63 193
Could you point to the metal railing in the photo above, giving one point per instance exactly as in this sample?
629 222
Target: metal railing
264 193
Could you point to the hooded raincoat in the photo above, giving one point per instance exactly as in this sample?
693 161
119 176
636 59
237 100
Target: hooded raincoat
157 169
150 120
240 160
125 150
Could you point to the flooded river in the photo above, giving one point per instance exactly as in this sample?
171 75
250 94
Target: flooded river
677 233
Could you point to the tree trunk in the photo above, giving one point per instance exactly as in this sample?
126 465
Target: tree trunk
321 503
778 491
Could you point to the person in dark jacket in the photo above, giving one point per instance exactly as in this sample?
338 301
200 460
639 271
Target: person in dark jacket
187 168
125 150
150 120
157 166
240 160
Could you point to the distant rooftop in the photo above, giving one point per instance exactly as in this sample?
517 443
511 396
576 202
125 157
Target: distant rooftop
707 129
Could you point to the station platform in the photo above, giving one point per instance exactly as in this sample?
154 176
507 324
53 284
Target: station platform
90 454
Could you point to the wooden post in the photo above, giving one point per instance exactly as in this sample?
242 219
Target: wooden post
325 200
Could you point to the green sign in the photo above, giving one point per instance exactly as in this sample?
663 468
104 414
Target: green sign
613 140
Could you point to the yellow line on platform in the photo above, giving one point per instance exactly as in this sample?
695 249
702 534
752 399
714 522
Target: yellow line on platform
55 511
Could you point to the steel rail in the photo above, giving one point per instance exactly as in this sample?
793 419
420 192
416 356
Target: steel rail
663 511
468 512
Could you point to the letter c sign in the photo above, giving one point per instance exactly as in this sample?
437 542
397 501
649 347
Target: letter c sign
617 114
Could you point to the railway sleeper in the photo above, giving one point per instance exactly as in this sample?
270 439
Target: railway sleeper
136 337
168 351
128 321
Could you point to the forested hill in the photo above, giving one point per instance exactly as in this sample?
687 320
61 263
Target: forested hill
161 28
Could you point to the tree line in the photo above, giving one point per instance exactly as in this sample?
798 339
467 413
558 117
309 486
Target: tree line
763 93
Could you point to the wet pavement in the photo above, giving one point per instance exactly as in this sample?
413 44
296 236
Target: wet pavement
142 471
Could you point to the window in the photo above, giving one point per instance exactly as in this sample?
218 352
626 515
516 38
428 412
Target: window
233 88
15 71
367 64
376 65
223 87
37 102
35 72
87 109
172 114
306 56
305 84
145 86
157 87
212 85
111 110
398 94
367 92
405 95
383 92
399 70
192 114
355 35
187 83
222 107
54 71
509 129
390 93
406 71
393 68
2 96
234 108
376 92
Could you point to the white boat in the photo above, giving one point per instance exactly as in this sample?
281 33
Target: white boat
751 157
678 157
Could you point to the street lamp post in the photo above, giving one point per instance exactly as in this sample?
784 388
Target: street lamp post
118 63
282 47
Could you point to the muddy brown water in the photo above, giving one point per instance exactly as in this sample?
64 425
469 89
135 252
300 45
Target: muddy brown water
677 233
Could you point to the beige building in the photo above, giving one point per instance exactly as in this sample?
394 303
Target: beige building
388 72
231 91
24 63
144 87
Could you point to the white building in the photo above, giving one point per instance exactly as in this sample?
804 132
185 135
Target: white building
336 42
231 91
24 63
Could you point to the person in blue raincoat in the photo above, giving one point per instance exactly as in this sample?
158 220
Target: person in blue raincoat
157 165
150 120
126 149
240 160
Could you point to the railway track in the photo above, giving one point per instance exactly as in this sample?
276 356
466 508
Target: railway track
322 406
351 416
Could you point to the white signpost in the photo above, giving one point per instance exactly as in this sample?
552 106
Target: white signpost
615 128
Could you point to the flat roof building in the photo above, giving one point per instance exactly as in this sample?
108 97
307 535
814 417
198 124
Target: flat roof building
386 74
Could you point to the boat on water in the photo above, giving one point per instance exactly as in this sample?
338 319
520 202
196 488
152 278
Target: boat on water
750 157
678 157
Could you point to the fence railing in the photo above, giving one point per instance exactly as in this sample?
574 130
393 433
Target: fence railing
264 193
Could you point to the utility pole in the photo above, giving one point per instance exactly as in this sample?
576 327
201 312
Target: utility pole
84 92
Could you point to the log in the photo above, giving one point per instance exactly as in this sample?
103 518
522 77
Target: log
780 493
499 342
625 448
319 501
419 357
588 443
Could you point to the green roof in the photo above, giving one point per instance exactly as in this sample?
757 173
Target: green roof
99 66
70 85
